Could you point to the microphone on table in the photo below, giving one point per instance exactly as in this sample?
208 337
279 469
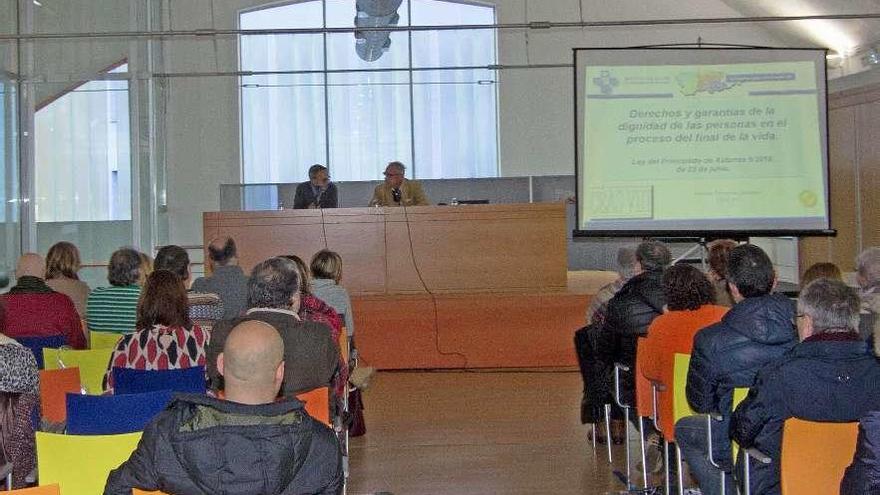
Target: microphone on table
395 193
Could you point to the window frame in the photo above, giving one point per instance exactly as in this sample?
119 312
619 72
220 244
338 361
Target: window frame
412 164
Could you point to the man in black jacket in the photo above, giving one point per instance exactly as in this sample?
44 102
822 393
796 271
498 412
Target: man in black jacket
831 375
757 330
629 314
247 444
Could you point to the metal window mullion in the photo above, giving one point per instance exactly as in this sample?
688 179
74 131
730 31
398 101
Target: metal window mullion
26 146
412 115
326 94
134 127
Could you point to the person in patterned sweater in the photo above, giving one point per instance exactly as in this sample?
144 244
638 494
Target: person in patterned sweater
165 337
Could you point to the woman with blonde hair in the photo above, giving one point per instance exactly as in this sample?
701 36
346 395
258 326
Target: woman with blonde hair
62 265
326 269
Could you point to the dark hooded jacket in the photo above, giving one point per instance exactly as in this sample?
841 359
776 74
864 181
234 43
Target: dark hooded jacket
629 314
728 355
821 379
863 475
202 446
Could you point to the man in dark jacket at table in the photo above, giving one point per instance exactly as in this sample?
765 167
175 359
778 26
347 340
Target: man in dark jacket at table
757 330
831 375
247 444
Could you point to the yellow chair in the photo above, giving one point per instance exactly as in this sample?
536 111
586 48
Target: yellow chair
80 464
805 441
104 340
92 365
680 406
37 490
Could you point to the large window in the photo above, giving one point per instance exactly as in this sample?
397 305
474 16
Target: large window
428 101
83 153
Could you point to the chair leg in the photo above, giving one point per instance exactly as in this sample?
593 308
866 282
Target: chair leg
629 483
593 426
678 465
666 473
723 490
747 488
644 457
608 431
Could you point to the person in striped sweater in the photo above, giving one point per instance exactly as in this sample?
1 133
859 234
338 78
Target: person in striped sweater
114 308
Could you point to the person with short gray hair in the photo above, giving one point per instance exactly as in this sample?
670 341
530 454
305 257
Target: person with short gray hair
398 190
318 191
868 278
829 376
311 356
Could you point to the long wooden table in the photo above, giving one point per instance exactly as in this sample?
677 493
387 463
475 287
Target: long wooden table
436 286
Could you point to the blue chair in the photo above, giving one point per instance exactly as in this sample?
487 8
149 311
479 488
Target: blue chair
130 381
36 345
113 414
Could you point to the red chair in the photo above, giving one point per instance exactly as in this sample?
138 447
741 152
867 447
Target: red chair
54 387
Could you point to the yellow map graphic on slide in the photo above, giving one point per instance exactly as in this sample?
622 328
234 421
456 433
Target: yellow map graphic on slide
619 202
704 81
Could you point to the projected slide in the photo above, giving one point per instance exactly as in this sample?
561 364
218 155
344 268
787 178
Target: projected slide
703 146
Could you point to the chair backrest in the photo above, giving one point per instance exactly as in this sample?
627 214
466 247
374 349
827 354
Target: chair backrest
52 489
680 405
131 381
92 364
81 463
739 394
803 442
113 414
37 344
54 387
317 403
103 340
136 491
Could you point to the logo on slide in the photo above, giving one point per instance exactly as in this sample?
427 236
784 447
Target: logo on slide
692 83
606 82
808 198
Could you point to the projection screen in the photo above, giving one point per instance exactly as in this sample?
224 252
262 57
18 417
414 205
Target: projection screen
700 140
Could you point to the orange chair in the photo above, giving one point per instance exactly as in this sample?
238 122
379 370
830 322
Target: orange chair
135 491
317 403
54 387
805 441
38 490
343 344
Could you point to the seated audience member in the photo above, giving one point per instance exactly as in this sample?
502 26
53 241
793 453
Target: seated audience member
595 376
19 397
62 265
626 264
831 375
317 192
821 270
862 477
397 190
631 311
33 309
204 309
247 444
326 268
226 278
757 330
690 304
310 307
114 308
311 358
868 278
145 269
718 252
166 338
